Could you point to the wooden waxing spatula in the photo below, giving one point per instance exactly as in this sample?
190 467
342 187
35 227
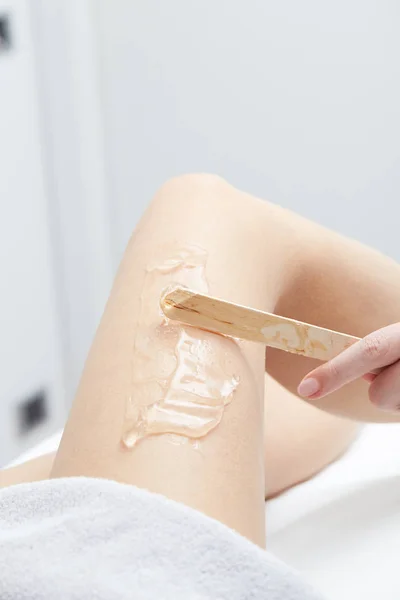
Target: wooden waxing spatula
234 320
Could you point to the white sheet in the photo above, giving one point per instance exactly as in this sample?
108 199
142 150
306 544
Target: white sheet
342 528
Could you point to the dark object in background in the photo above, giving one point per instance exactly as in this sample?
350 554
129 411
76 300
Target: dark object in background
5 33
32 412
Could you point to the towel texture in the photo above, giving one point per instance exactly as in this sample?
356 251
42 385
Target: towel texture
96 539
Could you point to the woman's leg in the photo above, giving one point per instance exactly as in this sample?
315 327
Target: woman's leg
201 232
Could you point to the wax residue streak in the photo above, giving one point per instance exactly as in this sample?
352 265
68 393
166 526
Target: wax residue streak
182 378
296 338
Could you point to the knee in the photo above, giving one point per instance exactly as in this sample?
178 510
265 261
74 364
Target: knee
193 194
194 185
194 180
207 196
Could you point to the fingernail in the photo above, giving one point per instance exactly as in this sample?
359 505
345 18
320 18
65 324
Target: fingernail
308 387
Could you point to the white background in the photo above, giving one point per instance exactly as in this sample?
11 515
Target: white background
297 102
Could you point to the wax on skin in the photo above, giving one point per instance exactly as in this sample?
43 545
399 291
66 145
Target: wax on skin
182 378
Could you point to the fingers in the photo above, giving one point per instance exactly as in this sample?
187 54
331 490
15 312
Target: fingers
377 350
384 392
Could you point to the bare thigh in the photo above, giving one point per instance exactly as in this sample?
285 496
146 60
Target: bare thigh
198 230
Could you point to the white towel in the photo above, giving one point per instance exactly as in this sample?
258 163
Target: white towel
96 539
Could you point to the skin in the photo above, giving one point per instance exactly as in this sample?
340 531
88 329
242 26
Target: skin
376 359
32 470
258 255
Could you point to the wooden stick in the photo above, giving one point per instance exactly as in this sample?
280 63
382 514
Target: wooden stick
227 318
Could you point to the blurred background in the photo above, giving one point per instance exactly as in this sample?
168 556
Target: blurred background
101 101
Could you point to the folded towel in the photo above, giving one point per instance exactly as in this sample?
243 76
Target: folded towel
88 538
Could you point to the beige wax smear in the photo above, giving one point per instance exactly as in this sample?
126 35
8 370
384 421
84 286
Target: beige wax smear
296 337
305 340
182 378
